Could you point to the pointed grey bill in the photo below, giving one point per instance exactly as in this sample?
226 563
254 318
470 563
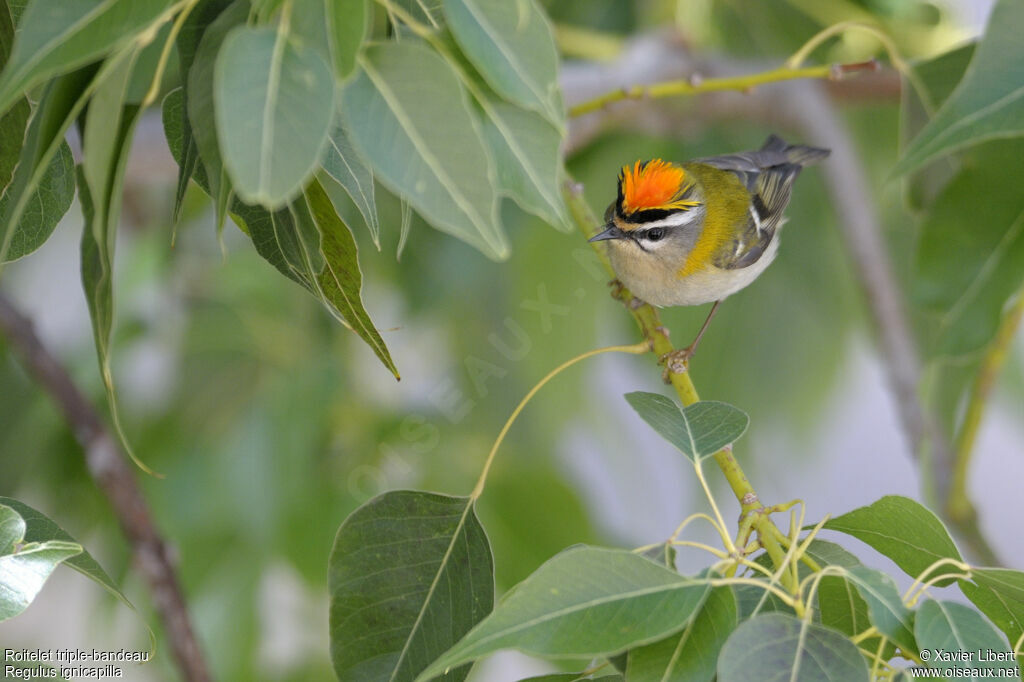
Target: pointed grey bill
611 232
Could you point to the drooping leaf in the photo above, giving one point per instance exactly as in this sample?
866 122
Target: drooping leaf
340 280
408 116
106 140
344 165
409 574
841 608
24 567
274 102
335 28
13 122
989 101
698 430
200 105
189 37
56 37
970 255
526 148
40 528
885 606
782 648
60 103
692 655
586 601
512 45
951 628
904 531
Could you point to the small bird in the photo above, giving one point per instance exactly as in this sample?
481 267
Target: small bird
696 232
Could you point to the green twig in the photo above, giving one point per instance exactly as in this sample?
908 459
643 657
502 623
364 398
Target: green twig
694 86
959 508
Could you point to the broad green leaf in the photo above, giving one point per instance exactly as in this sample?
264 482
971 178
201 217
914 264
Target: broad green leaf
698 430
512 46
274 101
989 101
409 574
56 37
40 528
344 165
970 254
341 279
904 531
999 594
106 141
692 655
408 116
24 205
944 627
200 105
187 42
782 648
841 608
335 28
885 606
586 601
752 600
24 567
49 201
526 148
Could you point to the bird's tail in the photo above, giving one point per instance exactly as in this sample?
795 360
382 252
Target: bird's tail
799 154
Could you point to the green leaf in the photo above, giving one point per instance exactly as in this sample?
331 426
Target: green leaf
40 528
989 101
13 122
24 567
334 28
340 279
885 606
344 165
841 608
951 628
410 573
408 116
970 252
512 45
692 655
200 105
49 201
273 101
575 677
904 531
106 141
192 31
999 594
56 37
526 148
60 103
698 430
782 648
586 601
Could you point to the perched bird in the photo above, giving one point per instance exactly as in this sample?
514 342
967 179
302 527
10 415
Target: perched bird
693 233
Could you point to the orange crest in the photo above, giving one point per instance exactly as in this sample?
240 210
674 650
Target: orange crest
653 184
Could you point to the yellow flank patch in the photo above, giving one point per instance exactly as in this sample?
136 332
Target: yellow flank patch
652 185
725 204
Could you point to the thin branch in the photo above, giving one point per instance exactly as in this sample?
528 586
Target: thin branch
116 479
959 508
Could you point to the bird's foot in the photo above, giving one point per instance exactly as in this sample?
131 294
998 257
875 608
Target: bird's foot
676 362
616 289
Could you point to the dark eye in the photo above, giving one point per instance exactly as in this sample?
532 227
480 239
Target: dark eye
654 234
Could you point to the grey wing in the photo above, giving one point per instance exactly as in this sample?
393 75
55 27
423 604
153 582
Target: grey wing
774 152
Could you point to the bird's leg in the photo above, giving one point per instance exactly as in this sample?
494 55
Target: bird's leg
678 361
